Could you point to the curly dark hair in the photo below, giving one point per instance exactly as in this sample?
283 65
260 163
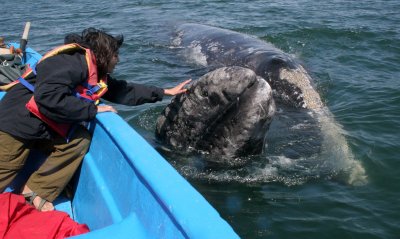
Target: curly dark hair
103 45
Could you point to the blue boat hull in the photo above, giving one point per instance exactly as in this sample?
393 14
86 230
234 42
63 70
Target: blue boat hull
125 186
126 189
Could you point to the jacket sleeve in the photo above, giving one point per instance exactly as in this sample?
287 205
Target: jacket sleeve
57 77
122 92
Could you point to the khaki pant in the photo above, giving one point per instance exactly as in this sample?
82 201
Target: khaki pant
55 172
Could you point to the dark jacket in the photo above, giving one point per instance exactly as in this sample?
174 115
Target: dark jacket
56 79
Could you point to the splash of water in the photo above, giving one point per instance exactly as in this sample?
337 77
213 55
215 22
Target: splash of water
336 151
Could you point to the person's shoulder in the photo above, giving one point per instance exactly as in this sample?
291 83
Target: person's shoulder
73 56
73 63
73 60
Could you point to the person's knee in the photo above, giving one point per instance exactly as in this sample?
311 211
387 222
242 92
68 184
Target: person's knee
73 149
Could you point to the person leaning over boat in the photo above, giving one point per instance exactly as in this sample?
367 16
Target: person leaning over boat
59 75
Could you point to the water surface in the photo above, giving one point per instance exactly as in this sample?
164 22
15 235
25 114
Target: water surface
350 48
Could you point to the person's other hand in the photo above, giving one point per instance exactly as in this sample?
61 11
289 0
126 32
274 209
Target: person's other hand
105 108
179 89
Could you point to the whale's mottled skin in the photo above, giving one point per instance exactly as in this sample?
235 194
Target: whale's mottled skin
220 47
226 112
291 85
311 127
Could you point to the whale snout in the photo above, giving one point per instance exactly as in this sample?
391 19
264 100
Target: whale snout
227 112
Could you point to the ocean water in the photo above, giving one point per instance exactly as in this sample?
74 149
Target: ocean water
350 48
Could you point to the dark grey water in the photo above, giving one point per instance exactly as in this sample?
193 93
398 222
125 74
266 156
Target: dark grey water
350 48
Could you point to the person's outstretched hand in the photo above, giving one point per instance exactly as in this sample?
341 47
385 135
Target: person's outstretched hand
179 89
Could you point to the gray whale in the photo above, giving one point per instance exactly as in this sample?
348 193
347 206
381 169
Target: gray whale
291 85
225 113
